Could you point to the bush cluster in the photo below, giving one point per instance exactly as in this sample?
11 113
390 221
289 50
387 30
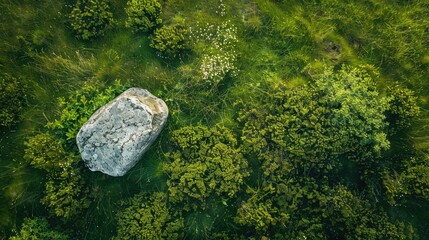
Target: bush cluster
38 229
66 192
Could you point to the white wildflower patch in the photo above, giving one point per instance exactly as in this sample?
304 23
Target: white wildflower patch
221 9
217 46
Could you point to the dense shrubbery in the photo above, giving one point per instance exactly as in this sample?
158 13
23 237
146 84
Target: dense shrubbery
413 183
206 163
302 136
307 152
38 229
76 109
90 18
403 107
143 15
66 192
309 128
13 94
169 41
149 217
305 211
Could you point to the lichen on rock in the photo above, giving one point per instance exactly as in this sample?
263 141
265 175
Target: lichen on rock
117 135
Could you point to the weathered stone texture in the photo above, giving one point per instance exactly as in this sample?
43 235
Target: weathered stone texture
116 136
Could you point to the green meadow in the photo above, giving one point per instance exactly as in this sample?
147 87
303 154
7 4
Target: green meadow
287 119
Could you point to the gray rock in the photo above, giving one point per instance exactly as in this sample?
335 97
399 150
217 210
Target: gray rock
117 135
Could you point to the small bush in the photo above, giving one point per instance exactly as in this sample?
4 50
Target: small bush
76 109
38 228
12 100
89 18
65 190
143 15
206 162
402 107
149 217
169 41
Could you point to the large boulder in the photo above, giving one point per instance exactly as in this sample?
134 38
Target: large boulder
116 136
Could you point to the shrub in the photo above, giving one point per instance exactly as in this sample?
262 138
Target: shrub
309 127
89 18
143 15
402 107
65 191
76 109
412 183
12 99
207 162
168 41
55 151
38 229
148 217
45 152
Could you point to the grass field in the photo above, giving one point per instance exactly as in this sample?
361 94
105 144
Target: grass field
279 44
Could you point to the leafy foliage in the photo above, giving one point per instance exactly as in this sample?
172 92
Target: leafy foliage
308 128
38 229
169 41
12 99
349 217
66 193
206 162
411 183
76 109
45 151
402 107
90 18
301 211
65 190
317 154
143 15
149 217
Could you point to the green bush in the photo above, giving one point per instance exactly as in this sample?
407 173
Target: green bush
207 162
402 107
55 152
78 108
148 217
169 41
412 183
38 229
143 15
90 18
12 99
45 152
308 128
65 191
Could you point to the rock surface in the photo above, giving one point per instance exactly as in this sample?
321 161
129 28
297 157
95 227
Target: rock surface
116 136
